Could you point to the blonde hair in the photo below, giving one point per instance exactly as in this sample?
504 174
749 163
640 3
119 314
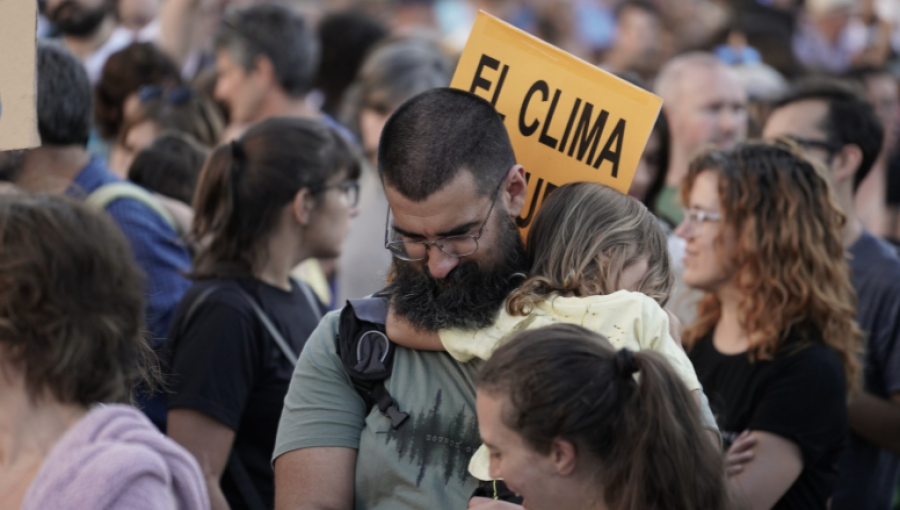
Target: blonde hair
581 241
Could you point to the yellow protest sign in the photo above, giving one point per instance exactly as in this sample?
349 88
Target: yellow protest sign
18 96
567 119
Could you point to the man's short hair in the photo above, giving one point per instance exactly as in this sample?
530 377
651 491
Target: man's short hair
437 133
669 82
850 118
277 33
640 5
64 97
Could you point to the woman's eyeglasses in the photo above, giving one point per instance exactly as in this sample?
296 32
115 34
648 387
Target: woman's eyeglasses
349 189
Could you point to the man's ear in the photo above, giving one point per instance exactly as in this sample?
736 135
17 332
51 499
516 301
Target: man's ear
564 456
264 70
846 163
302 207
515 190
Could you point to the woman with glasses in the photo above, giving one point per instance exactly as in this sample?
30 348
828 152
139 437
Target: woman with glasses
282 193
774 343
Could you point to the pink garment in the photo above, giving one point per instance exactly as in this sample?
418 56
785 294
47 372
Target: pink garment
115 459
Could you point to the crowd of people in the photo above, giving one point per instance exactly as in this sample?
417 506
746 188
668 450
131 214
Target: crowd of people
265 258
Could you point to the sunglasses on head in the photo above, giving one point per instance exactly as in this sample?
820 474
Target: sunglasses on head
172 95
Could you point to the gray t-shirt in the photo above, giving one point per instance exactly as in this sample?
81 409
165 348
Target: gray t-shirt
422 465
867 474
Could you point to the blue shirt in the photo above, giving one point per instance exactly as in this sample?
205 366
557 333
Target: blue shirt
868 474
159 252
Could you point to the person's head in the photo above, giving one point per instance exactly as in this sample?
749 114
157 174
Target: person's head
137 14
449 171
834 125
395 71
71 303
263 49
881 91
568 425
589 239
346 38
637 32
650 176
78 18
64 98
830 17
290 175
704 101
176 109
763 228
124 73
170 166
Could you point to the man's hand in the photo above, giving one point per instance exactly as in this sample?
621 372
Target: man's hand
740 453
491 504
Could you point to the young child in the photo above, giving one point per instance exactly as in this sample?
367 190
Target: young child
599 261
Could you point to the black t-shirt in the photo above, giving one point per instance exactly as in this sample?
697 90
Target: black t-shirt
800 395
224 364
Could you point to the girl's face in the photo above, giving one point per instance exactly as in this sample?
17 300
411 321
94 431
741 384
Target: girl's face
710 242
525 471
330 219
632 275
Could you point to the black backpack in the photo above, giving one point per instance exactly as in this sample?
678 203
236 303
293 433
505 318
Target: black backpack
368 355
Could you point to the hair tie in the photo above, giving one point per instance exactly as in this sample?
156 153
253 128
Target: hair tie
625 363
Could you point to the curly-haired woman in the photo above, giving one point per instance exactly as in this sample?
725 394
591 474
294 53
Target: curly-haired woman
774 344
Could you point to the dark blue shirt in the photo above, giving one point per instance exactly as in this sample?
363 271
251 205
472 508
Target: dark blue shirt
158 250
868 474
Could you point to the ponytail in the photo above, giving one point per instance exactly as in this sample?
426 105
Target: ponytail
245 185
628 412
662 452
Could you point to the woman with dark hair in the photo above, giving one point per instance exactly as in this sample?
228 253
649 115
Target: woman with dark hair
571 423
159 109
650 176
284 192
774 343
72 350
124 73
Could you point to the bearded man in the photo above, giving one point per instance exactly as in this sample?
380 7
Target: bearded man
454 191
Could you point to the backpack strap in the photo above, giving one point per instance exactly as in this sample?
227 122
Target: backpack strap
109 193
368 355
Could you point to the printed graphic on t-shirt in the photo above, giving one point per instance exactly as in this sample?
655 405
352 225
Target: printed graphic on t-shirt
430 440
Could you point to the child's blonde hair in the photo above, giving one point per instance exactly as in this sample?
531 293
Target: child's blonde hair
581 241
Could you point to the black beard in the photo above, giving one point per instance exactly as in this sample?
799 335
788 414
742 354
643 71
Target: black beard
11 164
469 297
80 22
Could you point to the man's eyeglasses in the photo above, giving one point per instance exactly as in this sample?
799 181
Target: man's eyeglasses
830 147
175 95
695 218
455 246
349 189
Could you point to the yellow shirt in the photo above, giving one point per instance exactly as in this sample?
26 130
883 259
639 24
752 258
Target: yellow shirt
626 319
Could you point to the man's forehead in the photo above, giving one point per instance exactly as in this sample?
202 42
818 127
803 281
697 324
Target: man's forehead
712 85
453 205
801 118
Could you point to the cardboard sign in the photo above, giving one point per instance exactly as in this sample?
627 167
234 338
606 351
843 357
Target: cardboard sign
18 89
568 120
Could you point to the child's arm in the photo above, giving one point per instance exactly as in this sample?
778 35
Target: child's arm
401 332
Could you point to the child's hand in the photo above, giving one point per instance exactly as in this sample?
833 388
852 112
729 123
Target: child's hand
401 332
